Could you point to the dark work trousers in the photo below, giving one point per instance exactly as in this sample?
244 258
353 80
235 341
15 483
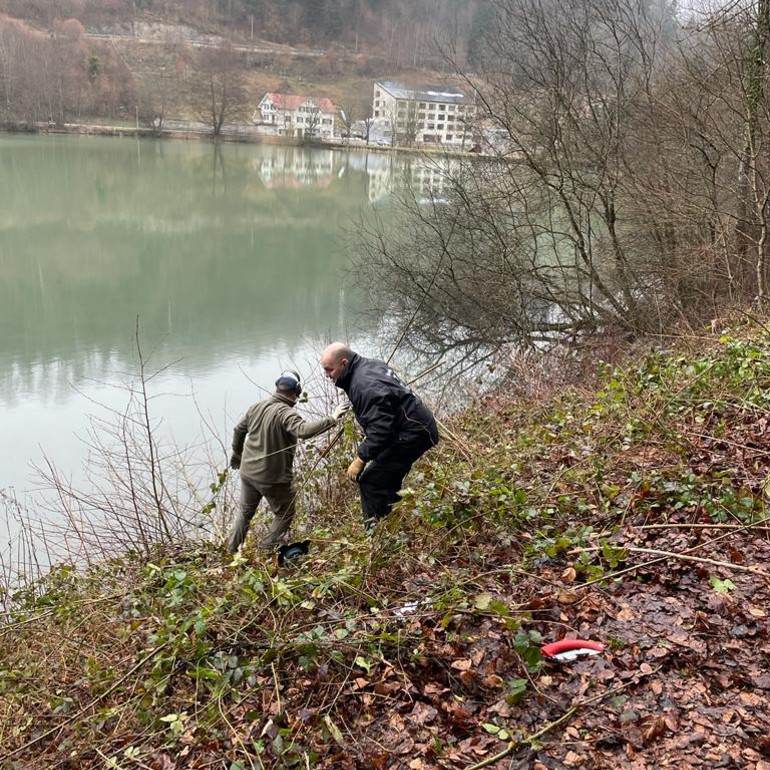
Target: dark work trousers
280 498
381 480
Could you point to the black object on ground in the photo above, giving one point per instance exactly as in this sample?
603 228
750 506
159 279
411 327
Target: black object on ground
292 551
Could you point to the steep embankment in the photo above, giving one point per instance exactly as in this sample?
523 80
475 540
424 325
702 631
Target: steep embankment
631 515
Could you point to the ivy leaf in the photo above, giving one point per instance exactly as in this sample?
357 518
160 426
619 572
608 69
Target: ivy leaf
721 586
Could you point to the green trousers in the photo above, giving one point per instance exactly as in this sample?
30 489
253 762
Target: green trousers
281 499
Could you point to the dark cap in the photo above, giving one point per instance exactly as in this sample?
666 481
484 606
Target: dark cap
289 383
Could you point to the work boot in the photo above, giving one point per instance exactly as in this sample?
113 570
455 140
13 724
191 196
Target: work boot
273 541
369 526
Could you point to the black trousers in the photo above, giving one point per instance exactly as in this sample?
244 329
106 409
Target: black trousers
381 480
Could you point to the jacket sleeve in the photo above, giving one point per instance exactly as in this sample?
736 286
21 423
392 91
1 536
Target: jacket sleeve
300 428
239 434
379 416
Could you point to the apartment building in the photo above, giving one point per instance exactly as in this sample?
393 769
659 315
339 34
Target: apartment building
407 115
299 116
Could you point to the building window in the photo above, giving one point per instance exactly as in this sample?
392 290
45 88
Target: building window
376 113
431 126
377 94
449 137
440 126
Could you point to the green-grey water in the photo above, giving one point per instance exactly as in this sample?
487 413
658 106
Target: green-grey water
230 256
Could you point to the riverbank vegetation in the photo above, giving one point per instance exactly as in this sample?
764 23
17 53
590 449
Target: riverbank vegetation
633 193
628 507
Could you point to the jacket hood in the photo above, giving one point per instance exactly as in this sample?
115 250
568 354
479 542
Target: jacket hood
343 381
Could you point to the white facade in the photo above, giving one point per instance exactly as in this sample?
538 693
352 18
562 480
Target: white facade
296 167
428 179
440 115
295 115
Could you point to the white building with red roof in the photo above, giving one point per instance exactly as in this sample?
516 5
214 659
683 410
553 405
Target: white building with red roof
295 115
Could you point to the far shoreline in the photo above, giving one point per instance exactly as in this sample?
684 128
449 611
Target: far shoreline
234 135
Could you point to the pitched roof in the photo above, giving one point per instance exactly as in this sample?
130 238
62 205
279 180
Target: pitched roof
294 101
445 94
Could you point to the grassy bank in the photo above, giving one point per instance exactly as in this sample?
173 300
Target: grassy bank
629 511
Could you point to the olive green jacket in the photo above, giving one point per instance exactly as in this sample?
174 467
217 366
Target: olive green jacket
266 439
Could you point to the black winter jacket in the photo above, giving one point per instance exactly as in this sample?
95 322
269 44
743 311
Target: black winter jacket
385 408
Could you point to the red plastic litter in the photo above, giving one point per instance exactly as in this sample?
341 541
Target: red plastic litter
569 649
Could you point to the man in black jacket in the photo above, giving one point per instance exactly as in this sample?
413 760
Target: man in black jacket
398 427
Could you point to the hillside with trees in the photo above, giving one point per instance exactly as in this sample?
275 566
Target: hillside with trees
89 60
401 31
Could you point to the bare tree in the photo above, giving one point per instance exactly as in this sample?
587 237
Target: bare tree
402 121
701 170
354 113
160 90
219 86
541 242
367 124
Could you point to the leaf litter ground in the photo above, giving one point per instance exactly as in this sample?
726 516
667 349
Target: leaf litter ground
632 514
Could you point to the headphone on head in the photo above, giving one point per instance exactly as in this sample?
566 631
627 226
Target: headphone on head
290 374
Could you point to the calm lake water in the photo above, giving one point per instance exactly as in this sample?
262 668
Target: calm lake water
230 256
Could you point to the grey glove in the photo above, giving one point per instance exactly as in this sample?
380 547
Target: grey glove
235 461
341 410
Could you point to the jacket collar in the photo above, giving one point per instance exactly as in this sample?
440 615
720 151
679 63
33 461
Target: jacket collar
343 381
279 399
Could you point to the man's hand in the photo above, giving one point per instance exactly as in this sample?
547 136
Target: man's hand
341 410
355 468
235 461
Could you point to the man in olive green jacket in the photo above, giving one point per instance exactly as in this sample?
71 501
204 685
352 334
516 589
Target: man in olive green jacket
264 444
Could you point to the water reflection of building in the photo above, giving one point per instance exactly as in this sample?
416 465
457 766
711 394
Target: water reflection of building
296 167
427 179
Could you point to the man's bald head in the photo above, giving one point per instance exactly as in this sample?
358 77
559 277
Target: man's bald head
335 358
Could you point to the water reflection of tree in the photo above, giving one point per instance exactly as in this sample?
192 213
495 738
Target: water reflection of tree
91 239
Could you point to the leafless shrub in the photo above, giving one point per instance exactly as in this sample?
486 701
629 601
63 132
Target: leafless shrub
139 490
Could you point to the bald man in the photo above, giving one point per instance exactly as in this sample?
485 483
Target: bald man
398 427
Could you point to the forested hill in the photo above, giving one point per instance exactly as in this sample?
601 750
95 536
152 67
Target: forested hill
400 27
